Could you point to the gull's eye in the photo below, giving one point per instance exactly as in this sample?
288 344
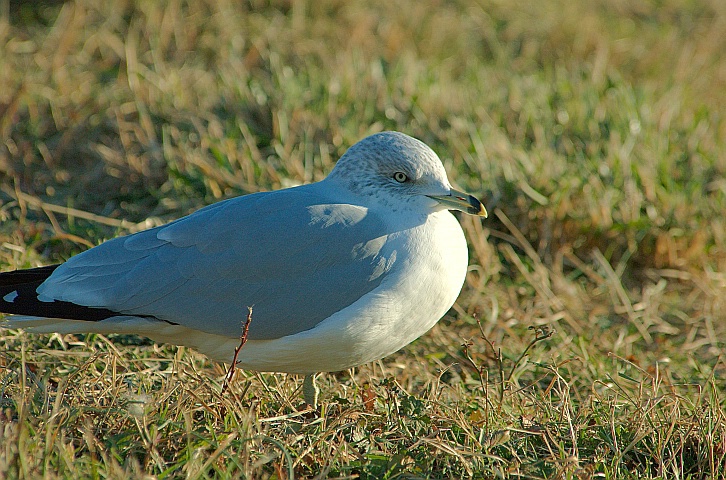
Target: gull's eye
400 177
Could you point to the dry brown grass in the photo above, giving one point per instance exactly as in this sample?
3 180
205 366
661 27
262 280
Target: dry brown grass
594 131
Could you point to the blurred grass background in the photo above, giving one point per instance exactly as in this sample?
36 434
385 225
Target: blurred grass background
593 130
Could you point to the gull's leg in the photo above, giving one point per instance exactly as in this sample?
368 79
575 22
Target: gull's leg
310 390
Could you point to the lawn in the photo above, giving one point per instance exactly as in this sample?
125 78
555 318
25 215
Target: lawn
588 340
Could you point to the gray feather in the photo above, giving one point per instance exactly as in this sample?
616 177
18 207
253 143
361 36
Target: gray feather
261 250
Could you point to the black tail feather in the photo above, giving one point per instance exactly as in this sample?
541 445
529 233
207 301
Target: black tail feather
18 296
31 275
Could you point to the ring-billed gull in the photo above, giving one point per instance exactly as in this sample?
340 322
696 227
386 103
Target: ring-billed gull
339 273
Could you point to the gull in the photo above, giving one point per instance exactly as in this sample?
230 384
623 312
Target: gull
338 273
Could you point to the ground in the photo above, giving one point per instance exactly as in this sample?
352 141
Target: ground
588 339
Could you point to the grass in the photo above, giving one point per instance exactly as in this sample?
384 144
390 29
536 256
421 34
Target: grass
593 130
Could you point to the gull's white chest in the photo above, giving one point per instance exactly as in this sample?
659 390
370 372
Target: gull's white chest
427 285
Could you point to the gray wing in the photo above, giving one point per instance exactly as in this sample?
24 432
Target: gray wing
292 255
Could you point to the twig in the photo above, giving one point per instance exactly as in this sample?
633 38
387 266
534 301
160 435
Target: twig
540 333
497 352
484 373
242 341
483 380
481 370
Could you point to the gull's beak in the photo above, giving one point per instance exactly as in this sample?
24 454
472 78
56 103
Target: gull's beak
461 201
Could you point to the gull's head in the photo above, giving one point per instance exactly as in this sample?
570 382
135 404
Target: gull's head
399 172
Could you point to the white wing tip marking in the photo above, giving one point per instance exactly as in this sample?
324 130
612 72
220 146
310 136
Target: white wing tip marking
10 297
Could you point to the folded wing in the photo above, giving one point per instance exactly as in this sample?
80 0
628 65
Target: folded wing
273 251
